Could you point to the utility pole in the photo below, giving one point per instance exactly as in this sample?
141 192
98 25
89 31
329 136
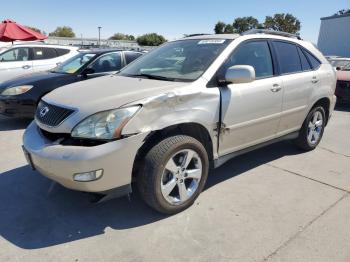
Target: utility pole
99 36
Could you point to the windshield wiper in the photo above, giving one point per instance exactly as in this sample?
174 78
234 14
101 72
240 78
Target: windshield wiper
156 77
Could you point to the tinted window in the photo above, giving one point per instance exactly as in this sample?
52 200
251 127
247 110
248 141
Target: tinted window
61 51
288 57
15 54
131 56
256 54
107 63
304 63
313 60
41 53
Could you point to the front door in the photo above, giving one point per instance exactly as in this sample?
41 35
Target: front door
250 111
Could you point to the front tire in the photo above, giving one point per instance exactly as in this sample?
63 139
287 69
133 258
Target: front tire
312 129
173 174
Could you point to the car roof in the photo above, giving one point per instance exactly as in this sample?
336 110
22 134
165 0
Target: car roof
209 36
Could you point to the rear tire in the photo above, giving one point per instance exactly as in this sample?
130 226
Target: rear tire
312 129
173 174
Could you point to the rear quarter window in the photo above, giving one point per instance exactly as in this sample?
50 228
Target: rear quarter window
315 63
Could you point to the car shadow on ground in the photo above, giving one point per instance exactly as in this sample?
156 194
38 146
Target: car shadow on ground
34 213
7 124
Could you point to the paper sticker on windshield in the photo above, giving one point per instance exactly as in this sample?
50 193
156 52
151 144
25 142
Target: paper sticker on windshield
211 41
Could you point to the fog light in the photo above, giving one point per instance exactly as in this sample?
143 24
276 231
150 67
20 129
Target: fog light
88 176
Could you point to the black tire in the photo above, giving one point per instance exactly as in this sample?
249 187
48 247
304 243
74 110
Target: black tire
150 176
302 141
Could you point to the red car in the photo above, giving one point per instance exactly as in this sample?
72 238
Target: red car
343 84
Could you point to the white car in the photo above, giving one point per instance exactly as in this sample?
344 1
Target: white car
28 58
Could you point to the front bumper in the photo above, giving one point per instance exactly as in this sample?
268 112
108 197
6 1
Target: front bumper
17 107
59 162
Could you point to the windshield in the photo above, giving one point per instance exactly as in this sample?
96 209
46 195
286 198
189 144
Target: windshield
184 60
73 64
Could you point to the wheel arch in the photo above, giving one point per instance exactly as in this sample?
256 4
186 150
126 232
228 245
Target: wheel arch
325 103
192 129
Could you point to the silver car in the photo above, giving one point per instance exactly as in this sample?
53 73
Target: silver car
161 123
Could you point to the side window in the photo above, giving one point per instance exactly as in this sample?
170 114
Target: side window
288 57
15 54
61 51
107 63
313 60
131 56
256 54
42 53
304 63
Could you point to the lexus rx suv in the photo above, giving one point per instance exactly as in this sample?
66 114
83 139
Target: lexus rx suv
183 108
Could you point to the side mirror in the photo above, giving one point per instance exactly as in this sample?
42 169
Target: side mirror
338 68
240 74
88 71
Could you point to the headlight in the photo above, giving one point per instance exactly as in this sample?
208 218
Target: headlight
105 125
16 90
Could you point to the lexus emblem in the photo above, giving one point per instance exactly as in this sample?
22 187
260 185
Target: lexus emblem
44 111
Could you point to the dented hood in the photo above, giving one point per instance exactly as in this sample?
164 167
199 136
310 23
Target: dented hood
108 92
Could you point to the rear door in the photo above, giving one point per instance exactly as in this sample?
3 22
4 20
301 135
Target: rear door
250 111
298 81
44 58
16 61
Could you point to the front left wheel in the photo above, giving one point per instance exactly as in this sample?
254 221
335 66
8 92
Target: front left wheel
174 173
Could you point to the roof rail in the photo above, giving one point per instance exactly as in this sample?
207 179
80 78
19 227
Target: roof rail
270 32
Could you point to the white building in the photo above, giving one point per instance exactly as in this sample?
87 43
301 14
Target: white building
334 36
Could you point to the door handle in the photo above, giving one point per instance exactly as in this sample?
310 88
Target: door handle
26 66
314 80
275 88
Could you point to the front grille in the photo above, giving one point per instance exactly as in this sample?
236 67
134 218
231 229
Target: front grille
51 115
343 84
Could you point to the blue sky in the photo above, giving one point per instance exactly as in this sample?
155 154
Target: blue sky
169 18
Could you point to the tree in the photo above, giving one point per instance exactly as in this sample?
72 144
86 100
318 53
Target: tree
120 36
229 29
342 12
35 29
64 31
242 24
282 22
219 27
151 39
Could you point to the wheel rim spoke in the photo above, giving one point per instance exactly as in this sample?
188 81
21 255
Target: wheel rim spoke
309 137
319 123
171 166
188 157
194 173
183 192
169 187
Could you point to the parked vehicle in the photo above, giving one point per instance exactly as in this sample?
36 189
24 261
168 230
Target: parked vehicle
184 107
22 59
20 96
339 62
343 84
